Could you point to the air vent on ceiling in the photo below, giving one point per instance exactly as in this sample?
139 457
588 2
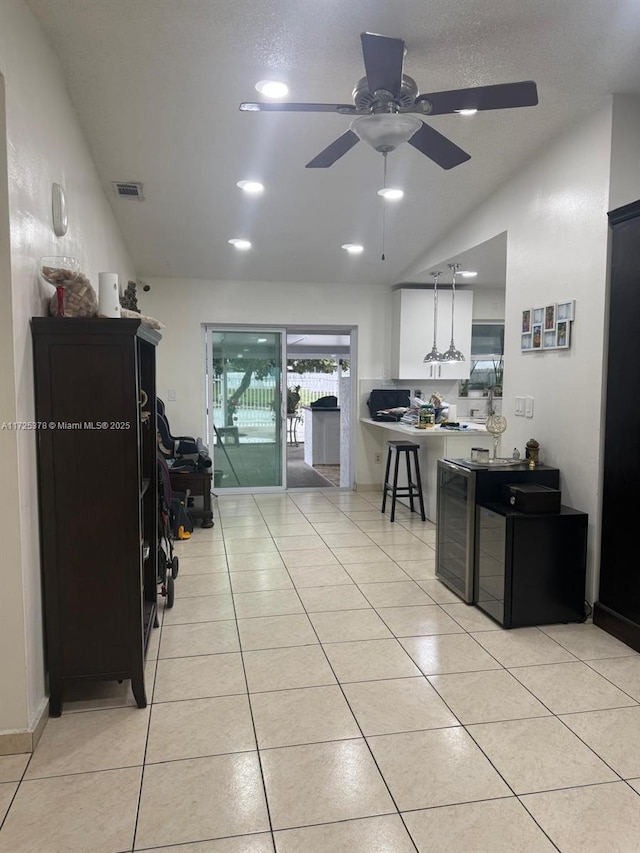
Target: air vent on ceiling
128 189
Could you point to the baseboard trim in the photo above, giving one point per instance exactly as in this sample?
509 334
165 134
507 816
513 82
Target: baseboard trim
16 742
617 625
368 487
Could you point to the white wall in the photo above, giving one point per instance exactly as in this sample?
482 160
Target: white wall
488 303
184 306
625 151
44 145
554 213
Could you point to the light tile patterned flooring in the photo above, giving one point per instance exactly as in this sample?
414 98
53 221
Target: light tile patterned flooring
316 690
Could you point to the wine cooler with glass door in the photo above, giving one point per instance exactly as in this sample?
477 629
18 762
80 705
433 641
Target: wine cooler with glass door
462 485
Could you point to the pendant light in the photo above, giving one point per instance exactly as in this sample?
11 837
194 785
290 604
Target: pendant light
434 357
453 355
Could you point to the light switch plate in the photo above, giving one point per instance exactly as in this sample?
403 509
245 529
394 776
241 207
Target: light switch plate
528 407
519 407
171 395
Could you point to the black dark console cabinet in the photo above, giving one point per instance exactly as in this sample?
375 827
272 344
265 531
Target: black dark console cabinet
531 569
618 607
97 483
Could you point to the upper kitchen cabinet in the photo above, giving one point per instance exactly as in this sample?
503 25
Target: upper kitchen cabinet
412 333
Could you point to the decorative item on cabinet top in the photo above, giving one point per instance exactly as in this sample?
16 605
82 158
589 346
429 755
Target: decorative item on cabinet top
74 296
547 327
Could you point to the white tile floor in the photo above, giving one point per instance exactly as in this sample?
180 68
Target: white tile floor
316 690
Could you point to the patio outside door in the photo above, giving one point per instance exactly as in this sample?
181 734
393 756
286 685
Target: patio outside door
245 408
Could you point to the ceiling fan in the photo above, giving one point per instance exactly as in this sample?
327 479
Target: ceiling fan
385 99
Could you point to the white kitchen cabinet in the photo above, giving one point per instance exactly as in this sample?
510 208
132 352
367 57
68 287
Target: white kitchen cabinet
412 333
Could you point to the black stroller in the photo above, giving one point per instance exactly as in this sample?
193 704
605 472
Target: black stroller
167 560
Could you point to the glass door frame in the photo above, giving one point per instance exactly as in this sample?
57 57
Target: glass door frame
207 329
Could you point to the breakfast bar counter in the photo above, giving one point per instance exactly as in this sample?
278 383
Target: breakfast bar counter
435 443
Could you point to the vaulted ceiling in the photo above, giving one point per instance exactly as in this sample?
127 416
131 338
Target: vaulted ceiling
157 83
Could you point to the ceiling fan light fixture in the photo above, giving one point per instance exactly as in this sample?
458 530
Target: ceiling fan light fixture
272 88
467 112
353 248
385 131
251 187
391 194
239 243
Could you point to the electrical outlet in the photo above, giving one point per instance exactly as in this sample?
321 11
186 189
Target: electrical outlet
519 407
528 407
378 458
171 395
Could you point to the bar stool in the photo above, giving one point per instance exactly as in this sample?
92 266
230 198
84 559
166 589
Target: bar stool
412 490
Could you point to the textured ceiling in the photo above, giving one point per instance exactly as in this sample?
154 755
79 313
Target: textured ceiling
156 84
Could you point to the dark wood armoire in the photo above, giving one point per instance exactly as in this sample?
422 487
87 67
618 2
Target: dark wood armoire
617 609
95 408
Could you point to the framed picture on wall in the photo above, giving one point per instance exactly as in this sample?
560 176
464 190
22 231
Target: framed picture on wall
566 310
537 336
526 341
526 321
538 316
549 340
563 334
549 318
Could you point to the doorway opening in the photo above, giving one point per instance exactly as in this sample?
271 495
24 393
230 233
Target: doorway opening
278 407
319 390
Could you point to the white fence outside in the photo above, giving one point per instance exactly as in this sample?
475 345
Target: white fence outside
255 408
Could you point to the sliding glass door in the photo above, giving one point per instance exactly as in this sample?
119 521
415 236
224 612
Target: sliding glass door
245 407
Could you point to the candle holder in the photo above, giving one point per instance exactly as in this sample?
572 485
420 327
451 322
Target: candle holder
496 425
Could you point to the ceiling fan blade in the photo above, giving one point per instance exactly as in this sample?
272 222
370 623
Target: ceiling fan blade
500 97
294 108
438 148
334 151
383 61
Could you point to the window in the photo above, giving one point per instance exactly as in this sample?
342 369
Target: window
487 339
487 347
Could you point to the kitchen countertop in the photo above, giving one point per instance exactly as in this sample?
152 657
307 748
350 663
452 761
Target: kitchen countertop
415 433
433 443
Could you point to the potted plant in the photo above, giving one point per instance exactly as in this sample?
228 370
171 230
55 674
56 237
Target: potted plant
293 399
498 372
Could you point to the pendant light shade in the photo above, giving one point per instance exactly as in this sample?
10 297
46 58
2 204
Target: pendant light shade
434 357
453 355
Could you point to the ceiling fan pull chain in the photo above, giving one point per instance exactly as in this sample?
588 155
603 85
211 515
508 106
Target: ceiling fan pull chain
384 206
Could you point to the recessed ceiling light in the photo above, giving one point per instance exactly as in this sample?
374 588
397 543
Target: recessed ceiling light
466 112
262 340
391 194
468 273
251 186
272 88
353 248
240 244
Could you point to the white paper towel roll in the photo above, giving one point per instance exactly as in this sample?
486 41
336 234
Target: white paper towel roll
108 294
453 412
